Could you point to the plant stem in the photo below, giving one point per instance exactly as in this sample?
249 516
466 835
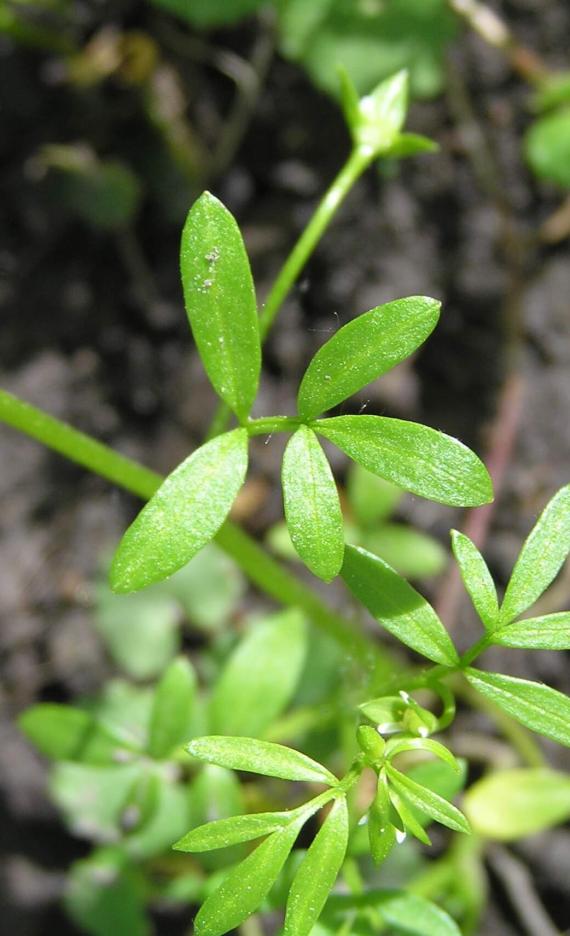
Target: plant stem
267 426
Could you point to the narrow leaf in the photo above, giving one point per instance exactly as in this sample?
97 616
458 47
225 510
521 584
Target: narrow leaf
172 709
397 746
312 506
362 350
428 802
381 832
224 832
415 457
220 302
535 705
317 873
541 557
511 804
476 578
403 911
406 812
397 606
262 757
551 632
185 513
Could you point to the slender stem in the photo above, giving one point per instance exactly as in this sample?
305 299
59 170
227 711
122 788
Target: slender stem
270 424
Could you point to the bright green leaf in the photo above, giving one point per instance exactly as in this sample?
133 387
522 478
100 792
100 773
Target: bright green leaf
535 705
411 144
551 632
58 731
224 832
262 757
381 832
312 506
427 801
400 746
387 712
415 457
216 793
381 114
372 499
410 552
407 913
511 804
547 147
106 894
397 606
172 709
220 302
476 578
364 349
185 513
164 826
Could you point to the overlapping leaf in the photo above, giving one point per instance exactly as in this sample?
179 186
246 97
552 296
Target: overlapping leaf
262 757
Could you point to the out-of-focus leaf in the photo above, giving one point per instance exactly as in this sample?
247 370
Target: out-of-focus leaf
511 804
410 552
164 826
403 911
92 798
372 499
58 731
140 630
208 588
209 13
172 709
547 147
106 894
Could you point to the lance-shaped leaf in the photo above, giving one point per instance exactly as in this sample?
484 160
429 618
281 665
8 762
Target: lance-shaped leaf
406 812
551 632
172 708
262 757
185 513
381 832
476 578
427 801
511 804
247 884
415 457
535 705
401 746
364 349
312 506
317 873
541 557
220 302
224 832
407 913
397 606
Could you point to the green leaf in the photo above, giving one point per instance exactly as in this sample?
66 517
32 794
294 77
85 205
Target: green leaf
185 513
535 705
372 499
382 113
540 559
105 894
224 832
415 457
318 872
511 804
246 885
410 552
262 757
92 798
387 712
411 144
381 832
413 915
476 578
172 709
402 745
220 302
209 13
364 349
547 147
260 677
427 801
440 777
208 588
140 631
397 606
551 632
406 811
58 731
312 506
164 826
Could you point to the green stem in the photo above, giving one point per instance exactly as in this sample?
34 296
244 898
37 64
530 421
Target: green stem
270 424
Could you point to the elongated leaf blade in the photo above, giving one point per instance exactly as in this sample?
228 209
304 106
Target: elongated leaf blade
551 632
317 873
428 802
220 302
364 349
381 832
397 606
476 578
172 709
407 913
415 457
262 757
224 832
511 804
247 884
185 513
312 506
541 557
535 705
408 817
397 746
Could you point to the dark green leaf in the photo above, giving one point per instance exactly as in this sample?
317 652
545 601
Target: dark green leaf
172 709
220 302
58 731
312 506
476 578
397 606
105 894
318 872
547 147
535 705
364 349
415 457
427 801
512 804
224 832
185 513
209 13
262 757
551 632
381 832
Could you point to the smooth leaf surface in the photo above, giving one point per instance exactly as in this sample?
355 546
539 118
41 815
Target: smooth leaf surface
140 630
372 499
547 147
407 813
415 457
476 578
317 873
397 606
92 798
312 506
427 801
551 632
407 913
511 804
410 552
260 677
172 709
224 832
543 553
58 731
185 513
220 302
106 894
397 746
164 826
364 349
535 705
381 832
262 757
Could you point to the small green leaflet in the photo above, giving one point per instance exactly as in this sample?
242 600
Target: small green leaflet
408 817
362 350
413 915
172 709
381 832
476 578
58 731
220 302
397 606
312 506
547 147
262 757
535 705
246 885
415 457
401 745
185 513
511 804
318 872
224 832
541 557
551 632
427 801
